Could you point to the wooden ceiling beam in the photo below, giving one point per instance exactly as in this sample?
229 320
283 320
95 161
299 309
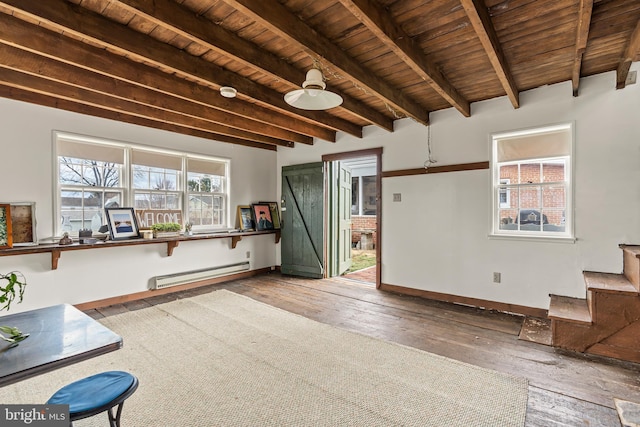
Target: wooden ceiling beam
169 14
67 17
279 20
32 38
28 62
582 36
478 14
36 83
631 53
75 107
378 20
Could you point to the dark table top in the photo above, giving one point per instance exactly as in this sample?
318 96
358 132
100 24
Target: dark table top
60 335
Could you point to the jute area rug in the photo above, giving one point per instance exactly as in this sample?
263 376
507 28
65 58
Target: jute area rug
222 359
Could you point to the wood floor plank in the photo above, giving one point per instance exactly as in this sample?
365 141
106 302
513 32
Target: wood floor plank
566 388
556 410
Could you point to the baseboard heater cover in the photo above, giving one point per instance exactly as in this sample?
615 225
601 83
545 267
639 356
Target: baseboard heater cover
161 282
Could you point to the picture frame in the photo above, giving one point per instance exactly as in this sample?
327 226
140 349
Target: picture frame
275 213
23 224
245 218
122 223
6 235
262 216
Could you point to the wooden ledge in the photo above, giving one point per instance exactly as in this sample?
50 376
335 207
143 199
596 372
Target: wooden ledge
171 242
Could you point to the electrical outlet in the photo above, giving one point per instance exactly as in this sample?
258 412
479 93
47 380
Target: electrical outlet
248 254
497 277
397 197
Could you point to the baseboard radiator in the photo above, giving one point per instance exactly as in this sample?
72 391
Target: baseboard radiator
161 282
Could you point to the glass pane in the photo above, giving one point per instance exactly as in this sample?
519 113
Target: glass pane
507 197
142 200
530 173
171 180
355 194
529 198
368 195
157 181
111 177
200 207
553 171
173 201
216 184
89 173
112 199
140 177
92 199
70 172
507 219
509 173
554 204
157 201
205 183
71 211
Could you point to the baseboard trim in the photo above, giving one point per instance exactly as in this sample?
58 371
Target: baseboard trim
475 302
156 292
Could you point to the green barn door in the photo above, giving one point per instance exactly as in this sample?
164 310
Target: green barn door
302 228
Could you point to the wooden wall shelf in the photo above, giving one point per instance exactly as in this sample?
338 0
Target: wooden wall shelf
172 243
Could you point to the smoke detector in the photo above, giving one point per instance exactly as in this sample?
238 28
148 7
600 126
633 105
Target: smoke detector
228 92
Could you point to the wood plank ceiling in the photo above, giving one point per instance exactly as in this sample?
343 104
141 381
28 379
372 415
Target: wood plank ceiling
161 63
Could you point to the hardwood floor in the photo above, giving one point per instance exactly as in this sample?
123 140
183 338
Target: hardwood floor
565 389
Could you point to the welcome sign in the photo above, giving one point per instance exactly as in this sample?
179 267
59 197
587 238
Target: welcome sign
147 217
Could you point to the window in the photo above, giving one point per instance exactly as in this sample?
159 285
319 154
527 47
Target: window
156 185
363 195
207 185
93 174
532 182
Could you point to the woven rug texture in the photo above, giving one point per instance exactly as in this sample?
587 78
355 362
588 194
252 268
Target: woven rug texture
222 359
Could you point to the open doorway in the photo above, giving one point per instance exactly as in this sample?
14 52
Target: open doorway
360 208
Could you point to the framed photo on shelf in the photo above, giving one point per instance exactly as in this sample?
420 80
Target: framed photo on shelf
23 223
275 213
262 215
122 223
245 218
6 235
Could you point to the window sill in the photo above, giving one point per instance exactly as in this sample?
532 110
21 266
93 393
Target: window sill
533 238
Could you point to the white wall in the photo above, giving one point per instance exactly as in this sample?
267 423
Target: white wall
436 239
26 147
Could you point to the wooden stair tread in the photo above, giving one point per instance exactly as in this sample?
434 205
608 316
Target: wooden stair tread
569 309
609 282
635 249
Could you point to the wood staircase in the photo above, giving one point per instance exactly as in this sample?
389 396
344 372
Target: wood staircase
607 322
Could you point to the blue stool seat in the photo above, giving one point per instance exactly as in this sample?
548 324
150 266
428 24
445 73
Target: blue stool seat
95 394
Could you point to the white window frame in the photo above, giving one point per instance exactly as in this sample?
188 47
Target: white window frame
126 184
497 185
224 193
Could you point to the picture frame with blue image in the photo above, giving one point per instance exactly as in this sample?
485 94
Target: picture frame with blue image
122 223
